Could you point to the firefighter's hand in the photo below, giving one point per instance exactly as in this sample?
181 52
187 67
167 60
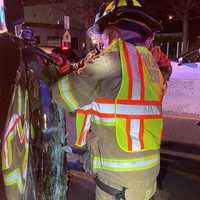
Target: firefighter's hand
58 59
64 64
64 69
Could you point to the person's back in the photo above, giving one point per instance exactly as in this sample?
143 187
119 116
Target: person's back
120 138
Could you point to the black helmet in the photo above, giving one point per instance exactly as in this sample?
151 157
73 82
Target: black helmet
127 15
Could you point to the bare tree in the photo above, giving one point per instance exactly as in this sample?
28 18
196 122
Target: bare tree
184 10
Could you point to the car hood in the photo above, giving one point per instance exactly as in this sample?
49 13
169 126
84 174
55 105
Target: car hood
189 71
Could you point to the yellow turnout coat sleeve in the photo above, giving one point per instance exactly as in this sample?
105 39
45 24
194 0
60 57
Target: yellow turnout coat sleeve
100 78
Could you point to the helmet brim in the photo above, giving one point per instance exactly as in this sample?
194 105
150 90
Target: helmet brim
136 17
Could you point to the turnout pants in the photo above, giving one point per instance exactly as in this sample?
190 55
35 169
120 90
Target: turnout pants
140 186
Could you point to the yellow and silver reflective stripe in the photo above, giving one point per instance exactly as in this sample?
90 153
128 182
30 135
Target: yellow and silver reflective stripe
14 178
124 165
22 101
137 109
135 129
19 100
25 161
124 109
66 94
135 134
23 131
85 131
7 142
103 121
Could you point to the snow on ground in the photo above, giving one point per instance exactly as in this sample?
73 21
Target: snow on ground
183 94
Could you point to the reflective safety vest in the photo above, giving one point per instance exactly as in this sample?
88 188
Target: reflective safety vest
136 112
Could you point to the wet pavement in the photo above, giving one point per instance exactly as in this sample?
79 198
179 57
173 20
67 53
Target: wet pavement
81 186
173 184
178 186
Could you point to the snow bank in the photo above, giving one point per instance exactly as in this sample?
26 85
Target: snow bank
183 94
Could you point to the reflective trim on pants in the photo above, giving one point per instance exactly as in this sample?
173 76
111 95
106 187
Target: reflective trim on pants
7 141
125 165
14 178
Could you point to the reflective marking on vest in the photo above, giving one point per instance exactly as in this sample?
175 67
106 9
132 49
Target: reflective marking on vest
14 178
124 165
134 132
128 102
85 131
66 94
103 121
123 109
130 109
135 74
86 128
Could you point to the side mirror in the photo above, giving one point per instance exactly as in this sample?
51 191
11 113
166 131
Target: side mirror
180 61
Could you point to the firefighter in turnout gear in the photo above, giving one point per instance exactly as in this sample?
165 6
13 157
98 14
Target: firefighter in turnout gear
117 98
